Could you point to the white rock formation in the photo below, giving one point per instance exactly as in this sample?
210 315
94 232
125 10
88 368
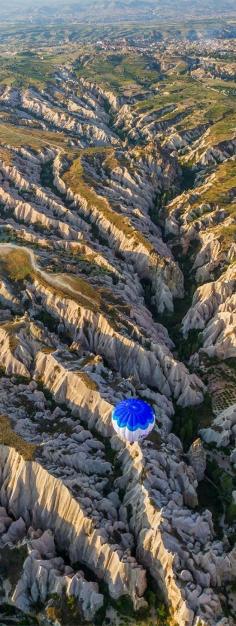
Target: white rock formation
222 431
170 537
41 500
197 458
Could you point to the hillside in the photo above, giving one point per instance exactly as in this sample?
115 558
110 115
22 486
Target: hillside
97 10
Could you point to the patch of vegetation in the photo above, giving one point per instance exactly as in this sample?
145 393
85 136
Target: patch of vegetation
88 266
47 320
65 610
231 362
188 421
16 264
82 286
226 484
156 614
209 498
11 616
88 381
189 346
228 234
224 128
188 178
126 71
8 437
18 136
221 184
11 562
46 175
48 395
28 68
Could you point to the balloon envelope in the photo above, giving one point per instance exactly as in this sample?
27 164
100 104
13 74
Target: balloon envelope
133 419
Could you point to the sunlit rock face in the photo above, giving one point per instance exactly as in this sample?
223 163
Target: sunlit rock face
117 280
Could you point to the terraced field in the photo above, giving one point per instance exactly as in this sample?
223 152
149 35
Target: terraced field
117 279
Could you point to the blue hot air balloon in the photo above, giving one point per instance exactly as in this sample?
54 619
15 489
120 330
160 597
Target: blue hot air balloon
133 419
